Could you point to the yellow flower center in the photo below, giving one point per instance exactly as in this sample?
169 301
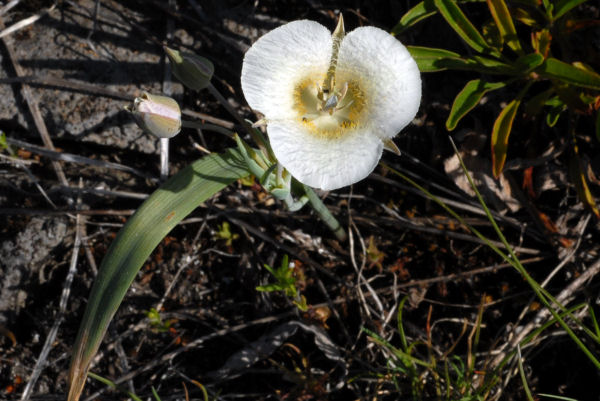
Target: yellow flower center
329 113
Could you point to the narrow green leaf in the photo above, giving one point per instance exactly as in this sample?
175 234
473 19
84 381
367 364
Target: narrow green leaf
482 64
556 397
114 386
418 13
549 7
432 59
164 209
468 98
594 321
461 24
553 68
505 24
583 190
155 394
428 59
529 62
561 7
522 374
557 106
532 17
500 134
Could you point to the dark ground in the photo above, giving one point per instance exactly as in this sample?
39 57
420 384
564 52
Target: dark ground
400 243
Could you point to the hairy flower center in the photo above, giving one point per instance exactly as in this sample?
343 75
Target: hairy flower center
329 112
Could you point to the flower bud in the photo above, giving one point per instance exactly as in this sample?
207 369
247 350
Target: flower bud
157 115
193 71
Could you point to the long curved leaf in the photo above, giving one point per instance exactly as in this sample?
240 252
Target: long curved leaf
461 24
166 207
468 98
418 13
505 24
553 68
583 190
561 7
500 134
429 59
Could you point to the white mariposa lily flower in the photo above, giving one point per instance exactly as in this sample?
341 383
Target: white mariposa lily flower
330 102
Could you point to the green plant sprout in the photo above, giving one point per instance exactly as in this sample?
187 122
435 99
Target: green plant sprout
285 282
156 321
224 233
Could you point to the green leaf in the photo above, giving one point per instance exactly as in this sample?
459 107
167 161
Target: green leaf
532 17
428 59
505 24
432 59
583 190
113 385
465 29
162 211
270 287
540 41
561 7
468 98
553 115
549 7
500 134
529 62
557 106
553 68
418 13
482 64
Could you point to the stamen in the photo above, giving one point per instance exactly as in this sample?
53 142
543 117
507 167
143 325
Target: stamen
330 113
331 103
336 37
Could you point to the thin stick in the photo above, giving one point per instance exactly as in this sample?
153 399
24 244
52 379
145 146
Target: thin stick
8 6
25 22
34 108
71 158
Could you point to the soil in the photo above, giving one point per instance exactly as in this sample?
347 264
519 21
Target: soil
215 328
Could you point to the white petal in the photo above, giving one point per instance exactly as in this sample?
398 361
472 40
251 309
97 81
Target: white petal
323 162
391 77
279 60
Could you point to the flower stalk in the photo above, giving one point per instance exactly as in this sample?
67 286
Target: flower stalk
164 158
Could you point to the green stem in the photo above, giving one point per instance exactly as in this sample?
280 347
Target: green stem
214 91
324 213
